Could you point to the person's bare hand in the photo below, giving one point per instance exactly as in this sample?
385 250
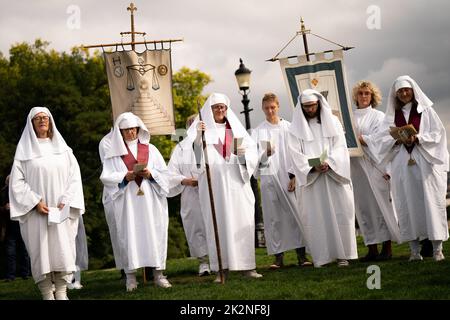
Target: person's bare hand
130 176
241 151
60 206
361 140
270 151
322 168
291 185
145 173
42 208
192 182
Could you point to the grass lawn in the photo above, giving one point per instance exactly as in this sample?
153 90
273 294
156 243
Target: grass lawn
400 279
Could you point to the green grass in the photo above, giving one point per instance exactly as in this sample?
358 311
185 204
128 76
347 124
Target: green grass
400 279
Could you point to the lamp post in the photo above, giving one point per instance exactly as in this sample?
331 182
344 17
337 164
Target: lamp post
243 79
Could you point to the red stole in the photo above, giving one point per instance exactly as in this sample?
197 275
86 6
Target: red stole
224 149
414 119
130 161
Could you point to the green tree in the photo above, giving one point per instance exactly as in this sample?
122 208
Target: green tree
75 88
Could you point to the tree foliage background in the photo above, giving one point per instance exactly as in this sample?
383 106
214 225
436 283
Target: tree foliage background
74 87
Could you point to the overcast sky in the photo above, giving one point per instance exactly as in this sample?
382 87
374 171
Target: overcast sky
407 37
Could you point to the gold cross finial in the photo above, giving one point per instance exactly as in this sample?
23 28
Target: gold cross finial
132 8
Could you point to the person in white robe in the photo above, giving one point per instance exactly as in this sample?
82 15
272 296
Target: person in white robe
232 158
281 230
325 195
135 177
419 166
45 177
375 213
184 181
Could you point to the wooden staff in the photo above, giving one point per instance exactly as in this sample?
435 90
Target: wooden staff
211 201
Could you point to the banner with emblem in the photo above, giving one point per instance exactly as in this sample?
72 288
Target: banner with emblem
326 74
142 83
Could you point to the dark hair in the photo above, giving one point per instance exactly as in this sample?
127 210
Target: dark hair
399 104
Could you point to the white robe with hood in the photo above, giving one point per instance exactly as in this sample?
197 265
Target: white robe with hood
373 203
281 230
46 169
142 221
233 195
419 190
325 200
181 166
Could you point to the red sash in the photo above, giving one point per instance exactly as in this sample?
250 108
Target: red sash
142 157
414 119
224 149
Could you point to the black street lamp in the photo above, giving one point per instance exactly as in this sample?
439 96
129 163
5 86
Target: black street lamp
243 79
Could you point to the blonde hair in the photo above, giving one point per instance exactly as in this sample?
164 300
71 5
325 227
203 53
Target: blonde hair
270 97
375 99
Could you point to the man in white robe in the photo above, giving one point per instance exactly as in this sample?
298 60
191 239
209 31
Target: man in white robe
139 198
374 209
281 230
230 181
45 176
184 180
419 166
325 195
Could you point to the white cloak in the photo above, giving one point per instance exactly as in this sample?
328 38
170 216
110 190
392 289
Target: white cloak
181 166
142 221
281 230
325 200
373 203
54 178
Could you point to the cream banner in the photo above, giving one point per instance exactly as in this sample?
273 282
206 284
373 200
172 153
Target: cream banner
142 83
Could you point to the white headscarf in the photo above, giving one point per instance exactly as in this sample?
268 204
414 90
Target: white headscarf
28 147
211 133
299 126
423 102
124 121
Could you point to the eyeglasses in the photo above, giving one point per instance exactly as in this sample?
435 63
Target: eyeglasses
219 107
43 118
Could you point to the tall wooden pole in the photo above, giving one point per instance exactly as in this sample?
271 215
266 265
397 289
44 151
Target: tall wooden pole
211 201
305 42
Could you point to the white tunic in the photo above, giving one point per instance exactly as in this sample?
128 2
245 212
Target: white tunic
142 221
281 230
234 207
181 166
325 200
374 209
54 178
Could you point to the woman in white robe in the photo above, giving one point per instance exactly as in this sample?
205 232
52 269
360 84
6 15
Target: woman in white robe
325 195
374 209
419 166
139 198
281 230
230 179
184 181
45 176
